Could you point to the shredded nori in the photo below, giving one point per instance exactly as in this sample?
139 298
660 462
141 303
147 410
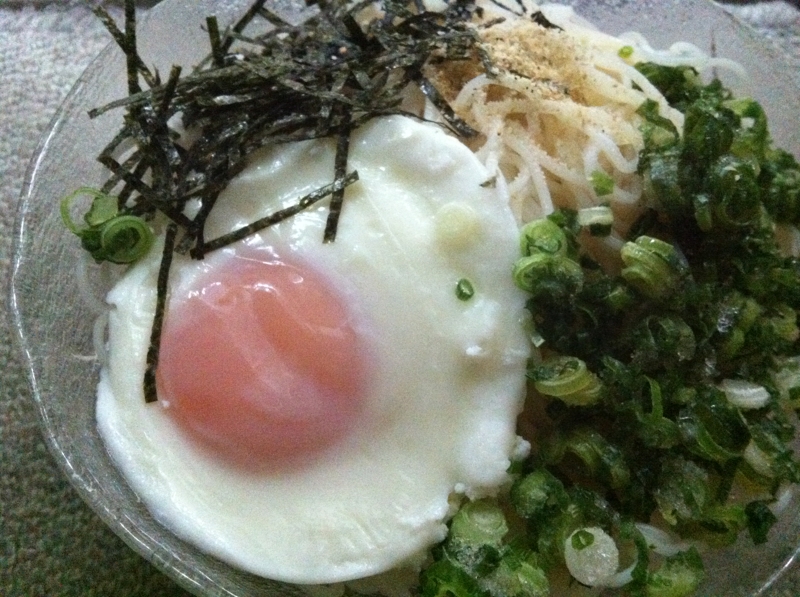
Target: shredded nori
322 78
537 17
333 189
150 394
340 167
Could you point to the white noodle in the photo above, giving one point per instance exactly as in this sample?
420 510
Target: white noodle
85 286
612 151
99 337
545 135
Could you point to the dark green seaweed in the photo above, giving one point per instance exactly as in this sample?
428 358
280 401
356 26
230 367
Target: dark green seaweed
321 78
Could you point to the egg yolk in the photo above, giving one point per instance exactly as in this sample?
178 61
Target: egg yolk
261 364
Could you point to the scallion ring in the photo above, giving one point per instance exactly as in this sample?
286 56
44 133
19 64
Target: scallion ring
652 266
125 239
103 208
568 379
543 236
543 273
464 290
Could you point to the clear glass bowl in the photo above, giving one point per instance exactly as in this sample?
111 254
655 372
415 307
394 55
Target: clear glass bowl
54 321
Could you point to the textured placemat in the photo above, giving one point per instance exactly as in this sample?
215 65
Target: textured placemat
51 545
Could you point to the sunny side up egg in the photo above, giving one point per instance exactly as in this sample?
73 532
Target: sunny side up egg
321 404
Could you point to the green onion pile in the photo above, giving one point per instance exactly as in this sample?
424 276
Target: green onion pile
665 392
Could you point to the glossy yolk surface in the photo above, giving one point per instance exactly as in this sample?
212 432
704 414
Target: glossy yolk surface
261 364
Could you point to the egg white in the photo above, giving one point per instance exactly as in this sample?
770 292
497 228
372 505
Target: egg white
444 396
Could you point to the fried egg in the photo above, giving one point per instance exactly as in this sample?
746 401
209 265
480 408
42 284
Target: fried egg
321 404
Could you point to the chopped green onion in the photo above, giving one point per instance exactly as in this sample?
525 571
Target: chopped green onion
783 324
661 541
652 266
714 428
703 213
659 132
631 532
602 183
537 340
602 460
782 197
479 522
758 461
125 239
662 341
538 494
567 379
679 84
708 133
464 290
518 576
752 139
772 446
108 235
760 519
736 193
620 297
679 576
745 394
598 220
92 217
625 52
475 539
549 275
737 314
683 491
657 431
104 207
662 180
591 562
443 578
719 525
787 380
581 539
543 236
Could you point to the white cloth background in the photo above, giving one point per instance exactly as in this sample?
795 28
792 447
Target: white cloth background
51 545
